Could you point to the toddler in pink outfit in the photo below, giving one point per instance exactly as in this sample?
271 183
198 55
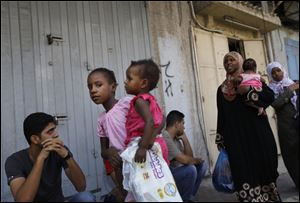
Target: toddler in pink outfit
249 83
144 113
250 79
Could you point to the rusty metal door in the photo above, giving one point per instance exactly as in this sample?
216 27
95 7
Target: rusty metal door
210 49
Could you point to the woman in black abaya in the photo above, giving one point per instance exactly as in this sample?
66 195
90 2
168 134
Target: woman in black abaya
247 138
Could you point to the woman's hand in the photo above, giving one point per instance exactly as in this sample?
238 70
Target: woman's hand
220 146
294 86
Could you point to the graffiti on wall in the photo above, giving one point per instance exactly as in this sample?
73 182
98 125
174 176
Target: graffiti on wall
168 82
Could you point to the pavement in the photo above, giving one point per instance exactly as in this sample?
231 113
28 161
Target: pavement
287 190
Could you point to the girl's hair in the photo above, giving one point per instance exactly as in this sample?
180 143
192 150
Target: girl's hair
148 70
249 64
110 76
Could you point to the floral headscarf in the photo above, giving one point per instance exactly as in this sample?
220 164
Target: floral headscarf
228 88
278 87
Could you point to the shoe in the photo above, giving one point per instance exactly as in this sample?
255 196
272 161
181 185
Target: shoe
110 198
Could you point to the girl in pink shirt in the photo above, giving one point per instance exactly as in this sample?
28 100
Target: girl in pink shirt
144 115
111 124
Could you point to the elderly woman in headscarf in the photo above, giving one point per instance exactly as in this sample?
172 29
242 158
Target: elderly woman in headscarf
286 105
247 138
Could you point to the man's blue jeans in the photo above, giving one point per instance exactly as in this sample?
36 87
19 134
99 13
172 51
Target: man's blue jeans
188 179
82 197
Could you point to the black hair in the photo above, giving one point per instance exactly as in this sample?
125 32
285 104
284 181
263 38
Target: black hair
110 75
249 64
149 70
35 123
173 117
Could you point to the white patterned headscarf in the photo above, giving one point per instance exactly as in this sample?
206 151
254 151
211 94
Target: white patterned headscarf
228 88
278 87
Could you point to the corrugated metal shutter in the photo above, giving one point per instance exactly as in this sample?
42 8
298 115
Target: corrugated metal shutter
36 76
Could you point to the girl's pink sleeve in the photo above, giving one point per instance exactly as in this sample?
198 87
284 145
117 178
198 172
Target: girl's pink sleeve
101 127
154 108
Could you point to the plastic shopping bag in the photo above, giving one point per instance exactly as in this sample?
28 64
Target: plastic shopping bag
221 177
151 181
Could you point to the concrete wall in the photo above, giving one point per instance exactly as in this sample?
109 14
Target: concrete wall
169 25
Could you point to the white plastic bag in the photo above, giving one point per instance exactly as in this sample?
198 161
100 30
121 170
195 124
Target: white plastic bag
151 181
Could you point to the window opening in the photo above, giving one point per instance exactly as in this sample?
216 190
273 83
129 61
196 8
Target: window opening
236 45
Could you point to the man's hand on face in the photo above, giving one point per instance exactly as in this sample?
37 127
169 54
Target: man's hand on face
181 137
55 144
44 153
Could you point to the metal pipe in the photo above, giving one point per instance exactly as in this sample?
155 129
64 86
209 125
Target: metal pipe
197 23
269 47
276 6
231 20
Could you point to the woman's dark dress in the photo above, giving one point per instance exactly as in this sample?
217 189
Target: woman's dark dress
288 133
251 147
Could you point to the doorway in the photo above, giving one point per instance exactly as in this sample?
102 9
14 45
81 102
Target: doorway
236 45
